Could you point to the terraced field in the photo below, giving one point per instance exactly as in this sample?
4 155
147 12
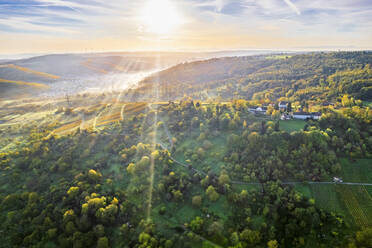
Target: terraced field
350 200
357 203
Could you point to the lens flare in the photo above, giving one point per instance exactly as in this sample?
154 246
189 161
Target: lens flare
160 17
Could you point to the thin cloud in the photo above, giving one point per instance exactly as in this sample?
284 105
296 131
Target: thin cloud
292 6
25 24
217 5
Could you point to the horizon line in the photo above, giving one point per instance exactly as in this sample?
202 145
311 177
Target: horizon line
190 51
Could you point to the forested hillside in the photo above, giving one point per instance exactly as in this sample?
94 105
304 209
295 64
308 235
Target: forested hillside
106 171
313 76
186 174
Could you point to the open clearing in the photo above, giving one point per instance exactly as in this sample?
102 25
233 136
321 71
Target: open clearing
292 125
279 57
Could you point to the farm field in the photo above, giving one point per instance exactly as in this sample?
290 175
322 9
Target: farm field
291 125
352 201
358 203
357 171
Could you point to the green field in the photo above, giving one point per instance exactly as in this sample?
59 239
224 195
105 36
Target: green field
358 203
358 171
368 104
292 125
326 197
352 201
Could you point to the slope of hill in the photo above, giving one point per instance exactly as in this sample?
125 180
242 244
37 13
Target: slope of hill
300 77
77 73
94 170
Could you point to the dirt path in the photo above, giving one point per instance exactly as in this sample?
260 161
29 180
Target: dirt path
122 112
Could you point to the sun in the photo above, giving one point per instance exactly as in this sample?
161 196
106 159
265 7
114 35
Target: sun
160 17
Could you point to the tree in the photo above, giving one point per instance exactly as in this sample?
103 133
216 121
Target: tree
103 243
277 127
263 127
168 244
215 228
107 214
212 194
251 237
224 179
131 168
69 215
99 230
197 224
289 107
144 162
73 191
70 228
94 176
272 244
197 201
177 195
364 238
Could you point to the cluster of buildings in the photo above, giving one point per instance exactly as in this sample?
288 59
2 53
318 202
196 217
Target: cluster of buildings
283 106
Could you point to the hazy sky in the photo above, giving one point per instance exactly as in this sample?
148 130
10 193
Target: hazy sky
32 26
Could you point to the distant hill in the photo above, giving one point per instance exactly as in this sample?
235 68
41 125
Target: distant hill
78 73
297 77
75 73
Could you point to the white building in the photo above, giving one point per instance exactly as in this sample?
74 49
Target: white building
258 110
305 115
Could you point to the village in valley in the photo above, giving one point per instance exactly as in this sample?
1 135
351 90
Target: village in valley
285 110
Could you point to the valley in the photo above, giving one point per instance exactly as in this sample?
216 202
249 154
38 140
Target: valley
187 172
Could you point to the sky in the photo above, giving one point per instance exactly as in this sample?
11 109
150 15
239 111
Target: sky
47 26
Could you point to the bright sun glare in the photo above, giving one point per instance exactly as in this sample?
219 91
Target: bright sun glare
160 17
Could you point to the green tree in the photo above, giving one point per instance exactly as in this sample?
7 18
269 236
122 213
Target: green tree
197 201
364 238
196 225
272 244
212 194
103 243
224 179
177 195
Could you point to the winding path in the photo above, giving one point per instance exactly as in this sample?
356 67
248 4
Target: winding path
122 112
